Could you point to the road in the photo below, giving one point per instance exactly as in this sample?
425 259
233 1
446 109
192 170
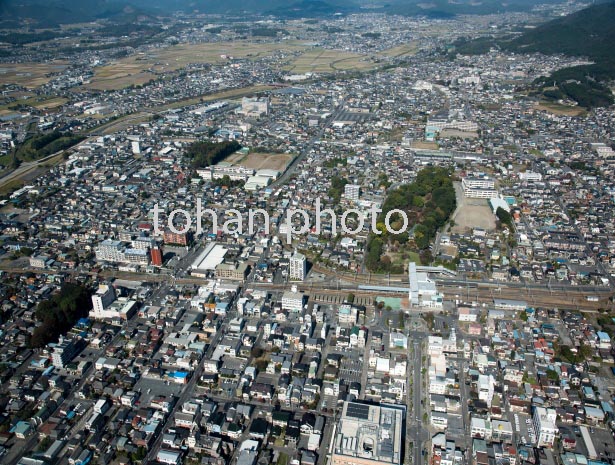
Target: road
416 432
186 394
30 443
298 159
26 167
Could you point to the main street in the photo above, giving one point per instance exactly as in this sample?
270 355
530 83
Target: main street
306 149
188 390
416 432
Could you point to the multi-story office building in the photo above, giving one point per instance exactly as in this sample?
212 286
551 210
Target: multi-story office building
65 350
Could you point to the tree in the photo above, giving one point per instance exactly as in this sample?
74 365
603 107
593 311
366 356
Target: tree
205 153
584 352
552 375
139 454
504 217
257 352
59 313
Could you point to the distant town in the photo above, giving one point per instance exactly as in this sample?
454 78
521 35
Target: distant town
428 275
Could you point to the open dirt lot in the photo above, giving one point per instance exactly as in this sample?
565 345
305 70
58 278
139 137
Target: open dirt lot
471 213
260 161
561 110
123 76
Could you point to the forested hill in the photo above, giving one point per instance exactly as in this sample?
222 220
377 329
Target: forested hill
589 32
586 33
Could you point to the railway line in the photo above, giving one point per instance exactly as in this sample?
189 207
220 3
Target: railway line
477 292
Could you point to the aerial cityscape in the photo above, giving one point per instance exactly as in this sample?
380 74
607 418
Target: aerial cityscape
307 233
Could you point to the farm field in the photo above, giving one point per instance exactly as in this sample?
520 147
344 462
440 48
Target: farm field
328 61
402 50
30 75
140 68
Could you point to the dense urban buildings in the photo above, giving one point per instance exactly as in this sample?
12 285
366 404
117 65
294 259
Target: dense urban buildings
175 284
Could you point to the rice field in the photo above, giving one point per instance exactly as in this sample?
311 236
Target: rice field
329 61
140 68
30 75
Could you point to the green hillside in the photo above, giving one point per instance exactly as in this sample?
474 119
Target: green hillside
587 33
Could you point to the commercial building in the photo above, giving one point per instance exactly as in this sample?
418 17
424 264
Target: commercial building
293 300
423 291
235 271
368 435
156 256
207 261
347 314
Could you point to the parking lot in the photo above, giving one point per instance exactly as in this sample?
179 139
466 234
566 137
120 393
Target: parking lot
151 388
523 428
602 441
455 427
328 402
351 370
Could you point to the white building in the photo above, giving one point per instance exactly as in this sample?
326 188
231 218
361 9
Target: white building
103 298
255 106
352 191
530 176
480 427
347 314
136 256
169 457
423 291
545 426
479 187
368 434
486 388
603 150
297 267
293 300
110 251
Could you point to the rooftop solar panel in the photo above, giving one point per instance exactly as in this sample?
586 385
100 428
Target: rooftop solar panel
358 411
